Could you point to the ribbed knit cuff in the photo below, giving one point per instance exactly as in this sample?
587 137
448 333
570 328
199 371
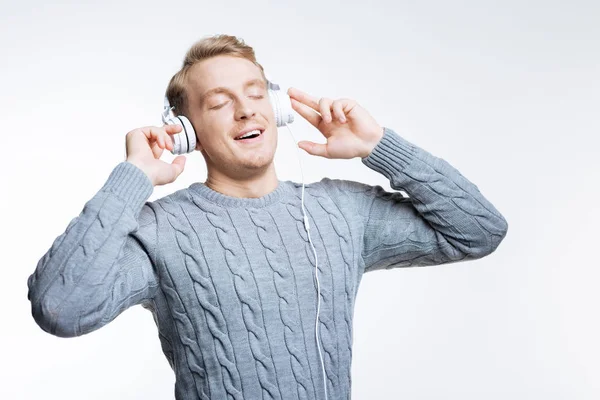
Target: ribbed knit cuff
129 183
391 155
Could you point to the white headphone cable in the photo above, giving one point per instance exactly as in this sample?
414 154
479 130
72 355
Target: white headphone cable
307 226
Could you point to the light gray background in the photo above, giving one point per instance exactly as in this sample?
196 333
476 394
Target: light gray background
507 92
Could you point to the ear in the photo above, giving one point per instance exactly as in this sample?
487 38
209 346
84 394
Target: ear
198 144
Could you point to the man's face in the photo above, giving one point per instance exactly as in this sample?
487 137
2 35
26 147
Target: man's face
220 116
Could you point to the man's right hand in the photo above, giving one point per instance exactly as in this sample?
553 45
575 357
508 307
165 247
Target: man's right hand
144 146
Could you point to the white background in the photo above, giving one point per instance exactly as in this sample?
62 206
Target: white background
507 92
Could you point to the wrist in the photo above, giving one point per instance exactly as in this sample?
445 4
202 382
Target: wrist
143 168
373 142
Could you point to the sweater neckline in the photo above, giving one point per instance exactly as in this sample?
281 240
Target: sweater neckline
230 201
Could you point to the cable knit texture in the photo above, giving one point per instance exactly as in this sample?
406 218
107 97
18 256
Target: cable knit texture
230 281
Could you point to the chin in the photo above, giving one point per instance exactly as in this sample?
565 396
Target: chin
258 161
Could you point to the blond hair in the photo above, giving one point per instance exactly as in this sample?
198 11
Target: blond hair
201 50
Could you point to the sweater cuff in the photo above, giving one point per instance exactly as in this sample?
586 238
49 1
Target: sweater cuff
129 183
391 154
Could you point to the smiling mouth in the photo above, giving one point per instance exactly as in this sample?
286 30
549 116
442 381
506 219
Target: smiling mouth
250 136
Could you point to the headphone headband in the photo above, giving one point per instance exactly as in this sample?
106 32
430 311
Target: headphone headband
167 113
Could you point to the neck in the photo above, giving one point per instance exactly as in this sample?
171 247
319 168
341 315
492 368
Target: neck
252 186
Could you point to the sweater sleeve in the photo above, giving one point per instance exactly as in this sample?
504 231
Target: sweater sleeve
102 263
444 219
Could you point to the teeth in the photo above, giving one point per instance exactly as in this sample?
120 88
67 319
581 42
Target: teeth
256 131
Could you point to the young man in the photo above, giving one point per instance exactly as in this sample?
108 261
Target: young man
226 266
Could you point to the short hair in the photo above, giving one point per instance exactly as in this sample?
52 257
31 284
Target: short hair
203 49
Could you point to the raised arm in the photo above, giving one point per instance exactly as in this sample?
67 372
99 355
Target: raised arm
444 219
102 263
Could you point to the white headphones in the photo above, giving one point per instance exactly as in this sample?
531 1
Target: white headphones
185 141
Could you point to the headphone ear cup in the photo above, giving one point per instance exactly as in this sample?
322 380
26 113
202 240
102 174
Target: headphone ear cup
189 134
184 141
282 107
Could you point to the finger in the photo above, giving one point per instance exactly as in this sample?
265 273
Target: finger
172 130
306 112
161 134
304 98
338 111
325 109
348 105
166 132
316 149
156 150
154 134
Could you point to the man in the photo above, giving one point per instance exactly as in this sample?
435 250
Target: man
226 266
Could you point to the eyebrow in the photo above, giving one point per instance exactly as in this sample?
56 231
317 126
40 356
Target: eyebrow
253 82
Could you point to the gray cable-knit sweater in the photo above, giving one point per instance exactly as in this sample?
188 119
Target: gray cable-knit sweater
230 281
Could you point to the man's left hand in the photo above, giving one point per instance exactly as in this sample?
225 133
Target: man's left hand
349 129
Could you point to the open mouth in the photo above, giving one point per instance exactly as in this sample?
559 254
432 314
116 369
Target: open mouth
252 136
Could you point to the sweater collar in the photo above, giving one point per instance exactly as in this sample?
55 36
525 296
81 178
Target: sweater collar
230 201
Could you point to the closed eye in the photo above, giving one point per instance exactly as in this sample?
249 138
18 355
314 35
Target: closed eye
221 105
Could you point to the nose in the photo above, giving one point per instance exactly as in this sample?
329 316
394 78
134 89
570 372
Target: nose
244 110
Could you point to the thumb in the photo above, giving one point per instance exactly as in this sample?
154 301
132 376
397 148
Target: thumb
316 149
178 165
